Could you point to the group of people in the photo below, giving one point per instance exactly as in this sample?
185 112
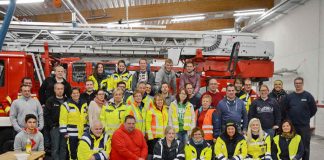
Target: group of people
147 116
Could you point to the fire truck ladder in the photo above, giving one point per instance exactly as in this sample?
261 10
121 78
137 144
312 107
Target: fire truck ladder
96 39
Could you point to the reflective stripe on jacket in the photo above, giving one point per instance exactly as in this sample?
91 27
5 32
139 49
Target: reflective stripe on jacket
115 78
189 117
257 148
72 120
207 126
90 146
292 148
112 116
191 152
156 121
139 115
221 150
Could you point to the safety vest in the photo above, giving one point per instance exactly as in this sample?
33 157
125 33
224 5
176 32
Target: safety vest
89 146
115 78
248 98
72 120
173 113
156 121
191 152
257 148
112 116
139 115
207 126
96 86
292 147
222 153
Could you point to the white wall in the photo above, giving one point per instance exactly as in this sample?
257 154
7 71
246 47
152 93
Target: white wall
299 43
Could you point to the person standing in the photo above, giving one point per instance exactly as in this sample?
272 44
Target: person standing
213 92
29 134
278 92
194 100
267 110
182 116
47 88
23 106
56 140
73 121
113 115
96 106
121 74
192 77
168 97
249 94
128 143
232 109
90 93
143 75
300 107
166 75
98 77
138 110
156 121
238 84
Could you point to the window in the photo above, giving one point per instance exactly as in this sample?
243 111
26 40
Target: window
2 73
79 72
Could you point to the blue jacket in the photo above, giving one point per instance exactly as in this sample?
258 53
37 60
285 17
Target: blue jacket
232 111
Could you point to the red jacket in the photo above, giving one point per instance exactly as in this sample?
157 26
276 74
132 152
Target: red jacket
128 146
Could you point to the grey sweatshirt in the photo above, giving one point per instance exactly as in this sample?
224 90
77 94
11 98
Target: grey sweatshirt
162 76
23 106
21 140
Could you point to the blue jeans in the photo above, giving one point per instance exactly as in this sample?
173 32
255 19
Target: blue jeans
270 131
183 136
58 145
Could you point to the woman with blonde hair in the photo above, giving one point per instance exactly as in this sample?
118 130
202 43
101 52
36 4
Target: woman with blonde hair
156 121
258 141
169 148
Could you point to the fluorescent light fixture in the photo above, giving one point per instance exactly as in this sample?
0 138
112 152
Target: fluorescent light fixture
6 2
188 19
227 30
248 12
188 15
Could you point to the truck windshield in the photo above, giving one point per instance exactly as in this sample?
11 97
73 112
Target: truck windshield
79 72
2 73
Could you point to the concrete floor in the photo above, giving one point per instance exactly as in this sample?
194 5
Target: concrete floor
317 148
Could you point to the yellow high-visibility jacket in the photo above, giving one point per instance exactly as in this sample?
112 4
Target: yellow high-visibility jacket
90 146
292 147
139 115
73 121
189 117
112 116
221 150
191 152
257 148
97 86
115 78
156 121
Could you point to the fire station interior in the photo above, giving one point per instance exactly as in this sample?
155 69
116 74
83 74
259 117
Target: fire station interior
265 40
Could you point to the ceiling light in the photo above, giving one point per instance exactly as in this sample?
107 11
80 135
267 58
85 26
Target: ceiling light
6 2
248 12
227 30
188 19
188 15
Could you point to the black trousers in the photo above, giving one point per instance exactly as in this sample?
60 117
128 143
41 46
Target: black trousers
305 134
73 147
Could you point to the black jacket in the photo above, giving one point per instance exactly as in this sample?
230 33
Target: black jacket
163 152
47 89
268 111
299 108
52 112
88 97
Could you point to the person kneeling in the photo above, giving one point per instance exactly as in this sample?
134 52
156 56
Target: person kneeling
94 145
29 139
169 148
230 144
